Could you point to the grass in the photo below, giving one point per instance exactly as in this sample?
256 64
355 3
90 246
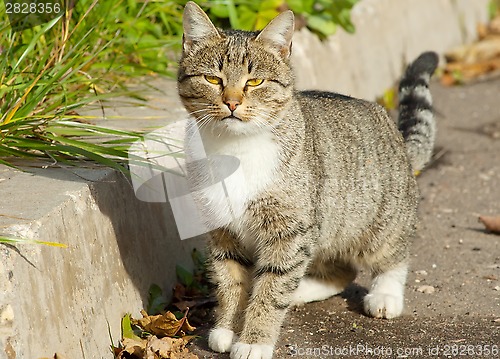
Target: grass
15 240
49 72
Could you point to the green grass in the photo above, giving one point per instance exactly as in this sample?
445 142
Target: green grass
15 240
83 56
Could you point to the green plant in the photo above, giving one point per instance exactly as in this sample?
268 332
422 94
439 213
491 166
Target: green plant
493 8
16 240
320 16
80 57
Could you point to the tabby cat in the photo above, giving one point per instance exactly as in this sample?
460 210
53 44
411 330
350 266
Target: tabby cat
328 184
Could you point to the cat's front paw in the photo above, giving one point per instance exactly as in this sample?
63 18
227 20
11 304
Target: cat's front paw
220 340
251 351
383 305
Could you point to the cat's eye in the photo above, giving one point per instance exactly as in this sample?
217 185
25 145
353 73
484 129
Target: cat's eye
214 80
254 82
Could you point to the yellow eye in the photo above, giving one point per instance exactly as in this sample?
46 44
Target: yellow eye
214 80
254 82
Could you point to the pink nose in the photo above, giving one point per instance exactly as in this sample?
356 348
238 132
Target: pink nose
232 104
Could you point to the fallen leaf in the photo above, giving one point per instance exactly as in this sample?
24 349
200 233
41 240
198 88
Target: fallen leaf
492 223
482 31
164 325
132 347
449 79
485 50
116 351
389 98
164 347
155 348
477 60
494 26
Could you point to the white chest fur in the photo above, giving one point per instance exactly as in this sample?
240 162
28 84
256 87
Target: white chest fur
258 156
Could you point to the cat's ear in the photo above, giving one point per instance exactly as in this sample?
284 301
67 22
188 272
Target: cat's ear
278 33
197 26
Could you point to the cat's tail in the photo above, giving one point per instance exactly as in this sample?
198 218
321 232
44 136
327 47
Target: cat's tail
416 117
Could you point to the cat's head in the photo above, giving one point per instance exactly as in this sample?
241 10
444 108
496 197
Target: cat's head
235 81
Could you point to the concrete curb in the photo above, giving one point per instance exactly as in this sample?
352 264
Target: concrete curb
63 300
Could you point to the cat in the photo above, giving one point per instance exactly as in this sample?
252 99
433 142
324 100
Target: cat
328 187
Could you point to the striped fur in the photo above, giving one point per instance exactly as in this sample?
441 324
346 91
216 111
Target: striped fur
416 118
328 187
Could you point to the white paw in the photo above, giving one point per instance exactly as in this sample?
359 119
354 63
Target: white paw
251 351
312 290
382 305
386 296
220 340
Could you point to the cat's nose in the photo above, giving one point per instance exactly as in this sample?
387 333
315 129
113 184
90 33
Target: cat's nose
232 104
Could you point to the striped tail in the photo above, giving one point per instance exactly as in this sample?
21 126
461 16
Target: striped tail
416 117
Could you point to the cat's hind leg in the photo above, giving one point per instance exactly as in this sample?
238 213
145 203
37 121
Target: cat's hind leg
386 296
324 280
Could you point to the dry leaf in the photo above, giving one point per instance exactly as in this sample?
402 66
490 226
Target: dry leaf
164 347
482 31
164 325
447 79
492 223
167 348
132 347
155 348
494 26
480 51
476 60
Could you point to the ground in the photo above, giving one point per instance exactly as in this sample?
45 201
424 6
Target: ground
453 257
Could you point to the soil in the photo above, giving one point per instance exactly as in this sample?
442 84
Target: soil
452 304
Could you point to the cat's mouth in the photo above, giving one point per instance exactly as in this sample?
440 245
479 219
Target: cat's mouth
232 119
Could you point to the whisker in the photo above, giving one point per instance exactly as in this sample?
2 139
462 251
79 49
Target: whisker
266 115
198 111
199 123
